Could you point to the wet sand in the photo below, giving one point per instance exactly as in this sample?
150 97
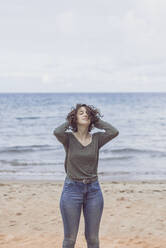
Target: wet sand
134 215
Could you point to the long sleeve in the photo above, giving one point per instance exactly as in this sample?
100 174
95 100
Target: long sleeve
110 132
60 133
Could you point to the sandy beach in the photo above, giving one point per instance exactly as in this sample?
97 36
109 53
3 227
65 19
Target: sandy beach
134 215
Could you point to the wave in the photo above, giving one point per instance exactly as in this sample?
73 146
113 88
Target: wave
28 163
28 118
35 117
134 151
26 148
116 158
131 173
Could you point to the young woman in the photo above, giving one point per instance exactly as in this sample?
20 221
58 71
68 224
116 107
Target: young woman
81 187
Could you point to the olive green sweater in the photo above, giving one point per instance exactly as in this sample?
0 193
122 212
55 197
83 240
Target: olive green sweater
82 161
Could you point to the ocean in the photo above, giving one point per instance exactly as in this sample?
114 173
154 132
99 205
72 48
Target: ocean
30 151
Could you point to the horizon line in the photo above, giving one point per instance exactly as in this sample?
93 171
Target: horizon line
78 92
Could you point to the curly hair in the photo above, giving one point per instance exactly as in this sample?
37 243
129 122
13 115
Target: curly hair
93 113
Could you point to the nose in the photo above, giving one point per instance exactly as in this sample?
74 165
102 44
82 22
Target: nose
85 116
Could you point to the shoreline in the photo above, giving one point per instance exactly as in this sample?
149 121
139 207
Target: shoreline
28 181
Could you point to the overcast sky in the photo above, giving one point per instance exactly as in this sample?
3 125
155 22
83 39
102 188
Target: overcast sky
82 46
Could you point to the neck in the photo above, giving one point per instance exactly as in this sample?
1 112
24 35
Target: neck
82 131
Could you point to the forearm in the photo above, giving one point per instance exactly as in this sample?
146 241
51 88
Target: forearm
60 133
109 129
60 130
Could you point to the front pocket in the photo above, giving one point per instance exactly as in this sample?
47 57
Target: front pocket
68 185
95 186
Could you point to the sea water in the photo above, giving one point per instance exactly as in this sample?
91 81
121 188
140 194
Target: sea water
30 151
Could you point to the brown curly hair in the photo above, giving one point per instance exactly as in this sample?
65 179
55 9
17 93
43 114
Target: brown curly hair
93 113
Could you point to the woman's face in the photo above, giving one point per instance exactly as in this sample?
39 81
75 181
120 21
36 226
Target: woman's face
82 116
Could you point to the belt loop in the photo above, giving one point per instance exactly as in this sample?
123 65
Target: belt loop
85 181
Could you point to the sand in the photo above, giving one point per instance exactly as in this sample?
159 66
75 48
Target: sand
134 215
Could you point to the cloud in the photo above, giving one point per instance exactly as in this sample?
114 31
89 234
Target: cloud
106 42
66 22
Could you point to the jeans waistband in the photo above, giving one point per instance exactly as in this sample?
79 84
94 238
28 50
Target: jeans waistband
83 180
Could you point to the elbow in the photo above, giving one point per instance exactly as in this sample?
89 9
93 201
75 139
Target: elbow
116 133
55 133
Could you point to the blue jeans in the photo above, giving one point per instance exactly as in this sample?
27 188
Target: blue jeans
76 195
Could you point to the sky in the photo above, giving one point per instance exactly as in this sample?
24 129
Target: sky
82 46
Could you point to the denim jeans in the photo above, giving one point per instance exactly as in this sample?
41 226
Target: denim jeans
75 196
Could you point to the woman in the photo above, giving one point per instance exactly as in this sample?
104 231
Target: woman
81 186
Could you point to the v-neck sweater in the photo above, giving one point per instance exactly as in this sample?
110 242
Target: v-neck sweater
81 162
